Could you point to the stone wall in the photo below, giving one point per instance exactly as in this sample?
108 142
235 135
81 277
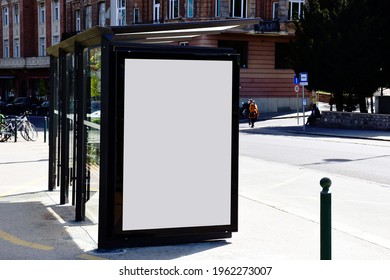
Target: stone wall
354 120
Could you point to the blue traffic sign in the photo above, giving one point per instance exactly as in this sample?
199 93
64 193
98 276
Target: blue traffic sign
296 80
303 79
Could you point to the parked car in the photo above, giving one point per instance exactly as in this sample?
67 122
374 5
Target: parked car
95 106
21 104
43 109
2 106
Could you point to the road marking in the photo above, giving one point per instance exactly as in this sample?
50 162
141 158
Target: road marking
90 257
285 182
17 241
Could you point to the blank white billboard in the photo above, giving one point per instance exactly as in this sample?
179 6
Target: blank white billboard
177 143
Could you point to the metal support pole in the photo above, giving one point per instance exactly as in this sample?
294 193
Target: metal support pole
16 130
297 109
44 130
303 108
326 220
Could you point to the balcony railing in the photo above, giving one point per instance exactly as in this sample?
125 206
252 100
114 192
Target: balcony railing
25 62
267 26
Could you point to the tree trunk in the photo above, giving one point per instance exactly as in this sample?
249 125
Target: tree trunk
362 104
339 102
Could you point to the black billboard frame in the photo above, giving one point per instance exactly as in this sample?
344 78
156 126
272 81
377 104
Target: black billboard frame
111 234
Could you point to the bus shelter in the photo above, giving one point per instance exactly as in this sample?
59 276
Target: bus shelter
150 131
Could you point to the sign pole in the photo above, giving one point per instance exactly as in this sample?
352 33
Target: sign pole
297 109
303 107
296 89
303 80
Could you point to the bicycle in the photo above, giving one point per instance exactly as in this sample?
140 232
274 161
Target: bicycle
11 125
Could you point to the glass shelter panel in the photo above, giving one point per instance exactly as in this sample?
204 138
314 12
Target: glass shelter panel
70 76
91 121
55 143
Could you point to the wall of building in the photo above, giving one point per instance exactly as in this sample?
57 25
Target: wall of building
23 68
259 79
271 88
28 31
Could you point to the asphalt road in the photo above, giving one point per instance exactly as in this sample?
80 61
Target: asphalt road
293 164
355 158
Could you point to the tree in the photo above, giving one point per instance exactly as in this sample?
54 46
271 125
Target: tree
342 45
380 10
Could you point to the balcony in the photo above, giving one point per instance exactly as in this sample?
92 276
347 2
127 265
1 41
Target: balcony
268 26
25 62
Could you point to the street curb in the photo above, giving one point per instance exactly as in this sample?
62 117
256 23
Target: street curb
337 135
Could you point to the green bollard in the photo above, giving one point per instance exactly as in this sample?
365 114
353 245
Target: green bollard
326 220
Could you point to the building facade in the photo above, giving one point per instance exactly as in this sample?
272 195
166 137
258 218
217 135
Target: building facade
27 28
30 26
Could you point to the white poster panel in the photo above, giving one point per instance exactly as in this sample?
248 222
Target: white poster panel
177 143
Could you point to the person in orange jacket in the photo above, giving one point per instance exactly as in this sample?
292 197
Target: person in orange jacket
253 112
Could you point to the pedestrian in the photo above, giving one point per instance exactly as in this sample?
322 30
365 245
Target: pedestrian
253 112
315 114
245 109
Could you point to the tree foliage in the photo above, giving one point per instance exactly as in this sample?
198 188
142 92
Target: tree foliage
343 45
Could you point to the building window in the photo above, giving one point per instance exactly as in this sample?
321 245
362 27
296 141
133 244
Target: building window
156 11
136 15
281 56
238 8
5 16
121 10
295 9
6 49
102 14
173 9
190 8
41 12
217 8
56 39
42 46
77 21
88 17
56 10
16 48
16 14
275 10
241 47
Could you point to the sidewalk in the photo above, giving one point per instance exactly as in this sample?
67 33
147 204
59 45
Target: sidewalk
34 226
289 122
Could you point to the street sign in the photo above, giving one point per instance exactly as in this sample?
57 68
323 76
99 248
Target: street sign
303 78
304 102
296 88
295 80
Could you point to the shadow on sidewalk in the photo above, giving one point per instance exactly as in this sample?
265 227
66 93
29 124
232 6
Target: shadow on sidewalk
169 252
31 229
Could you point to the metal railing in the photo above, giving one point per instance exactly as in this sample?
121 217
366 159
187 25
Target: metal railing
267 26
